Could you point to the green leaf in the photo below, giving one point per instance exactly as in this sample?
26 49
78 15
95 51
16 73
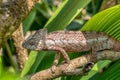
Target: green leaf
65 14
112 73
97 67
1 66
39 58
107 21
9 74
101 64
29 63
75 25
42 8
29 20
45 62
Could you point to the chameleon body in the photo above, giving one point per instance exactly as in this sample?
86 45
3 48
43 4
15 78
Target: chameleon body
70 41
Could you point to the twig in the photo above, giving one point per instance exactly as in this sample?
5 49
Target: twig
74 67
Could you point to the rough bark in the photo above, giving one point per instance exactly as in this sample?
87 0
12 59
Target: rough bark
22 54
12 13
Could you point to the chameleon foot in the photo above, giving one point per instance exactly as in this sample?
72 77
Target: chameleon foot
53 68
55 62
88 66
57 57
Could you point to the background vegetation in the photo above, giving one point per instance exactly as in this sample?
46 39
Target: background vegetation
66 15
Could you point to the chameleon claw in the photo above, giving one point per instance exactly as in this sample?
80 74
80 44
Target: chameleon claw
55 63
88 66
53 69
67 61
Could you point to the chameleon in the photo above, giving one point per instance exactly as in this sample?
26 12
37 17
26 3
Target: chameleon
70 41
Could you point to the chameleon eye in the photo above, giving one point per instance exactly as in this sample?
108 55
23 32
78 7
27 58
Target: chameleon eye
31 42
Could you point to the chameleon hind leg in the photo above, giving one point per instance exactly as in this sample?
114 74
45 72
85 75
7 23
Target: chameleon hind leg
62 51
89 65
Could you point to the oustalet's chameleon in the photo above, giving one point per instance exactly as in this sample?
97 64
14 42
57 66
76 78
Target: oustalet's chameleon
70 41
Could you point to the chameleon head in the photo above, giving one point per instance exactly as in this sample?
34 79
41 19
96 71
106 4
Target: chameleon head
36 41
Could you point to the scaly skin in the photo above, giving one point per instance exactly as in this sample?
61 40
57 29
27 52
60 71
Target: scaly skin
77 41
70 41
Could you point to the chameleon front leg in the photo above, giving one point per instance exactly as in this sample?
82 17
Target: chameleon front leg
57 56
62 51
55 62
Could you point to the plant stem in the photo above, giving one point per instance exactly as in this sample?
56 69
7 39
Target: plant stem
9 53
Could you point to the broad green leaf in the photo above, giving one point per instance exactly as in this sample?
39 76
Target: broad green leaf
29 63
39 58
29 20
42 60
107 21
65 14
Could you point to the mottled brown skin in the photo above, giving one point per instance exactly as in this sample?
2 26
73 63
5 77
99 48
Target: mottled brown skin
77 41
70 41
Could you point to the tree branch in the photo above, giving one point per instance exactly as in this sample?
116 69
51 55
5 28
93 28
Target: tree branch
75 66
12 13
22 54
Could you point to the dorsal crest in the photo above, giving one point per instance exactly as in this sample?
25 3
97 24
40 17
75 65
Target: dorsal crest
41 34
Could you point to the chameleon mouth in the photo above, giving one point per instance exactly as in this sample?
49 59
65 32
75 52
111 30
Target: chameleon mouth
24 44
28 45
